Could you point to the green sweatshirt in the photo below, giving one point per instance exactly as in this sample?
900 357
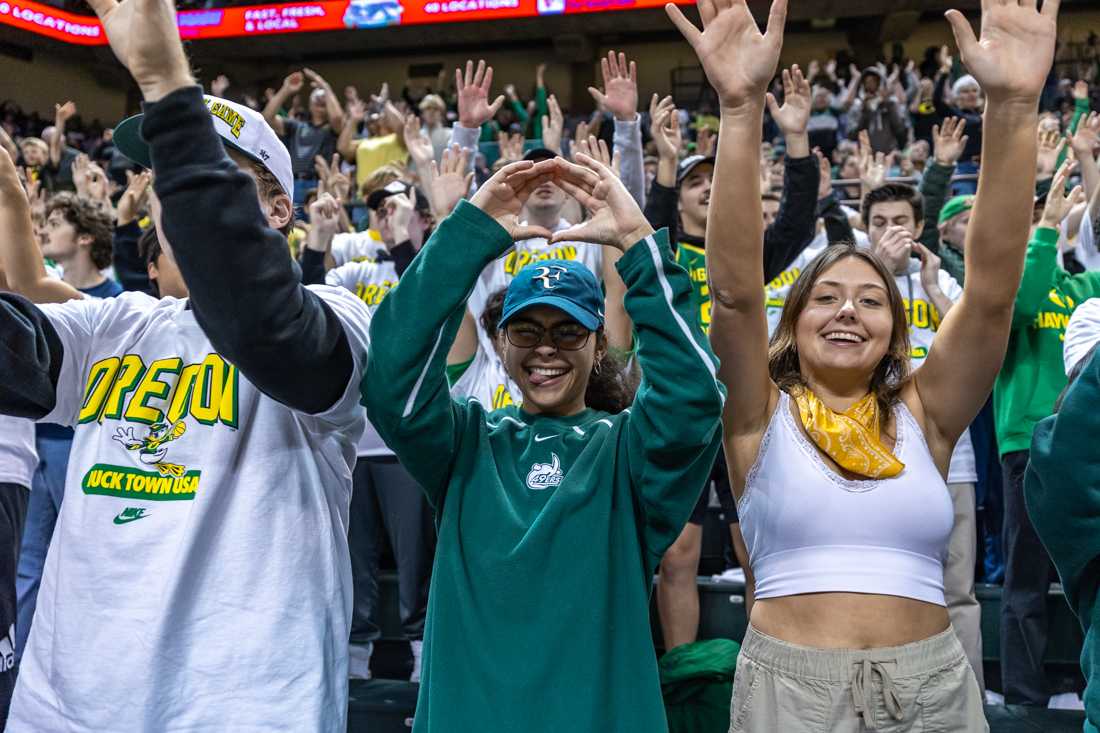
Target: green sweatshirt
550 528
1062 493
1033 373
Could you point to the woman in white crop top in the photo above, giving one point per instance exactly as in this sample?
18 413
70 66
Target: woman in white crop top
837 454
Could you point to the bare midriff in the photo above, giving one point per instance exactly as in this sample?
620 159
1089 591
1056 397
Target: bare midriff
848 620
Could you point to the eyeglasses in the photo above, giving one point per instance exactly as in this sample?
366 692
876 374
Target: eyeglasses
564 336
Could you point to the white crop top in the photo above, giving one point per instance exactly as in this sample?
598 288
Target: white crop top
810 530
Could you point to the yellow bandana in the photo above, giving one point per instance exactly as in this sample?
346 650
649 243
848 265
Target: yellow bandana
851 438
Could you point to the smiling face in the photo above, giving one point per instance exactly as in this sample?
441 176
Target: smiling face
846 323
553 380
695 197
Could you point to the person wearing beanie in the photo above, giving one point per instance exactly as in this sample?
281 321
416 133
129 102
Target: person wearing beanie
953 219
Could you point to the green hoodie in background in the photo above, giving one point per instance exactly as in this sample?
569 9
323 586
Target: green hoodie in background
1033 373
550 528
1062 493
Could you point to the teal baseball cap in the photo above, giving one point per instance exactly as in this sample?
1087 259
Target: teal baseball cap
566 285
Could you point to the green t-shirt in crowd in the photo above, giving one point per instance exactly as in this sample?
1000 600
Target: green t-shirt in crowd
1033 373
694 260
550 528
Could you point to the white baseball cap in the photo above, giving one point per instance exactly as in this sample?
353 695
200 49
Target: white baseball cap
241 128
1082 332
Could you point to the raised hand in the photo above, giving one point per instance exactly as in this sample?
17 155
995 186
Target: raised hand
474 108
1059 203
316 81
399 210
597 150
553 126
145 38
331 179
948 141
134 197
502 197
449 182
1013 56
294 82
873 166
62 112
705 141
613 219
620 87
511 145
664 126
929 267
1086 140
219 85
417 143
794 115
324 222
1051 143
738 60
357 111
1081 89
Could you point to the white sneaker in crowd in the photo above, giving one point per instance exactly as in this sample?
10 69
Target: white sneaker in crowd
417 648
994 698
359 661
1066 701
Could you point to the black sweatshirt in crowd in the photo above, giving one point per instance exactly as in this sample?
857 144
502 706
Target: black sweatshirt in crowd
790 233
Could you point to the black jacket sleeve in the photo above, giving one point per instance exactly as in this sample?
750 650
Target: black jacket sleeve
127 260
660 210
245 290
794 225
402 256
837 227
30 359
313 267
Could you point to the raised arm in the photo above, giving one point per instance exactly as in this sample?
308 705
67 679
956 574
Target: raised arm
292 84
406 380
672 431
20 258
1010 62
246 296
332 102
739 62
796 221
62 114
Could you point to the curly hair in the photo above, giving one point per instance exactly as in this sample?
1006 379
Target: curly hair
88 219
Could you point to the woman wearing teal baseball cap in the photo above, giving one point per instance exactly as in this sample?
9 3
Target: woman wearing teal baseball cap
552 516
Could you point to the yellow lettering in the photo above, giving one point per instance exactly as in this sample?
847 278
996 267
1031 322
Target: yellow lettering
100 377
919 318
206 400
151 387
131 371
181 395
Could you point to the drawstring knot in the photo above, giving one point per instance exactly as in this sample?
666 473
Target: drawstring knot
863 689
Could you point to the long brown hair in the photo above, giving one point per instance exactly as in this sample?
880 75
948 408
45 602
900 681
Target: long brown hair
892 371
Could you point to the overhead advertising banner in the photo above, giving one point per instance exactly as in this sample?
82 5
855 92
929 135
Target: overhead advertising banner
307 17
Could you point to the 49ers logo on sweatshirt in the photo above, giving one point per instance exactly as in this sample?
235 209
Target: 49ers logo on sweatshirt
544 475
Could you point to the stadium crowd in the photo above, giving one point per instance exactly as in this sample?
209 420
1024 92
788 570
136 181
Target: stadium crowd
836 166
